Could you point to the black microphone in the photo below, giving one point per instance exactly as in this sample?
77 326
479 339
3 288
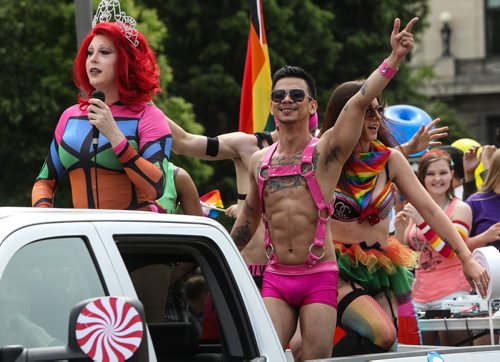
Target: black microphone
95 132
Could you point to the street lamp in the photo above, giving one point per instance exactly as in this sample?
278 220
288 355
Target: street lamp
83 19
445 19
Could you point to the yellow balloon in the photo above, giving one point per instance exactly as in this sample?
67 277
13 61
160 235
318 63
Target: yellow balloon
477 173
464 144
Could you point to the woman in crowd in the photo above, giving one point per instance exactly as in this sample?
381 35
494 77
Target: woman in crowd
485 206
374 273
113 144
439 274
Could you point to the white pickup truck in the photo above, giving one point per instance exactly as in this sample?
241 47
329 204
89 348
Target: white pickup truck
52 259
79 285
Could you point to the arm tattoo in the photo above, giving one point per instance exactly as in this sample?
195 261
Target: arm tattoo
248 207
242 235
452 248
363 88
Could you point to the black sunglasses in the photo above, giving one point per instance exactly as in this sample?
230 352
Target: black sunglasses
375 111
296 94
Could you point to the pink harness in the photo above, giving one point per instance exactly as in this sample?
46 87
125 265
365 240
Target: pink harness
312 184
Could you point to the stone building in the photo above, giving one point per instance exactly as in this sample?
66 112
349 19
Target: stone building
462 45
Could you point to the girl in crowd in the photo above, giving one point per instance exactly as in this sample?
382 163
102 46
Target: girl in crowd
485 206
373 272
439 275
114 148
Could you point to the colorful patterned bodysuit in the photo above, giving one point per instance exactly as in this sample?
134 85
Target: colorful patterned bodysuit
129 176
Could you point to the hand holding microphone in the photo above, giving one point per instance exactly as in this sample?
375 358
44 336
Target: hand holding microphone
97 94
101 117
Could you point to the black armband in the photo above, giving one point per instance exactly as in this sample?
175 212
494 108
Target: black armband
263 136
212 146
242 196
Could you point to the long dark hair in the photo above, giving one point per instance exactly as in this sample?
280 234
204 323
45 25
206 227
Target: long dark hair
338 100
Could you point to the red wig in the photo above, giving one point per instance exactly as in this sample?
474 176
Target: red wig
137 73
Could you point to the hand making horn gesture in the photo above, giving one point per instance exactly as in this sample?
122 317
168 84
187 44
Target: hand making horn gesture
402 41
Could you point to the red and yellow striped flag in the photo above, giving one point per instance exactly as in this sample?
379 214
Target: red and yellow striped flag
255 103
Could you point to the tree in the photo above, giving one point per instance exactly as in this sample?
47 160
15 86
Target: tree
36 83
206 47
37 48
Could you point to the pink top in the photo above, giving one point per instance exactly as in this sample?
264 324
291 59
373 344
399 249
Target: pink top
436 276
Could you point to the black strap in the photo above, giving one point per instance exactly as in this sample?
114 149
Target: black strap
388 177
263 136
394 317
348 299
212 146
376 246
242 196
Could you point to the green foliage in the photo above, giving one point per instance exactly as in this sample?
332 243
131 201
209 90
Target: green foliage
206 47
201 49
335 41
363 29
37 49
182 112
36 59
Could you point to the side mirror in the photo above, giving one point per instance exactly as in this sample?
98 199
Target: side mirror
96 316
12 353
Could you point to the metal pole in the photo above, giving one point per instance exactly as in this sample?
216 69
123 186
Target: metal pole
83 19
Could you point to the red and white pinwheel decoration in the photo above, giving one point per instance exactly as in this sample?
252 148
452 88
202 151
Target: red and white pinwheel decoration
109 329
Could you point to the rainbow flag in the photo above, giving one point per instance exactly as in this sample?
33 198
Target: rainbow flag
211 203
255 103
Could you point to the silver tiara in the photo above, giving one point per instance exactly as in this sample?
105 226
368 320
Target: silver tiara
110 10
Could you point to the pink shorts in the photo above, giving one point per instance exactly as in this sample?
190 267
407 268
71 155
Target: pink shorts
300 285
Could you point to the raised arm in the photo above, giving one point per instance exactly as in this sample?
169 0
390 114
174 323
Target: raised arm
228 146
426 136
344 135
416 194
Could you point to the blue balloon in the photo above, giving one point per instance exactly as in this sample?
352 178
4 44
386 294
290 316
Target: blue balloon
404 121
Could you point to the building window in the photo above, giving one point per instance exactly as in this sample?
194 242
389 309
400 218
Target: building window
493 123
493 27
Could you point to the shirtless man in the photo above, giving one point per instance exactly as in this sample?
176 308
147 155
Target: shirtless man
290 186
239 147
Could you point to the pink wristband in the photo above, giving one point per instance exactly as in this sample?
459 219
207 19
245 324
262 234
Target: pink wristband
385 70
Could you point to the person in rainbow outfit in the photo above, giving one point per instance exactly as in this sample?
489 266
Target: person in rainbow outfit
374 275
114 149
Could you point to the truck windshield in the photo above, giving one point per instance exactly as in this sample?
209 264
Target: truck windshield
40 285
